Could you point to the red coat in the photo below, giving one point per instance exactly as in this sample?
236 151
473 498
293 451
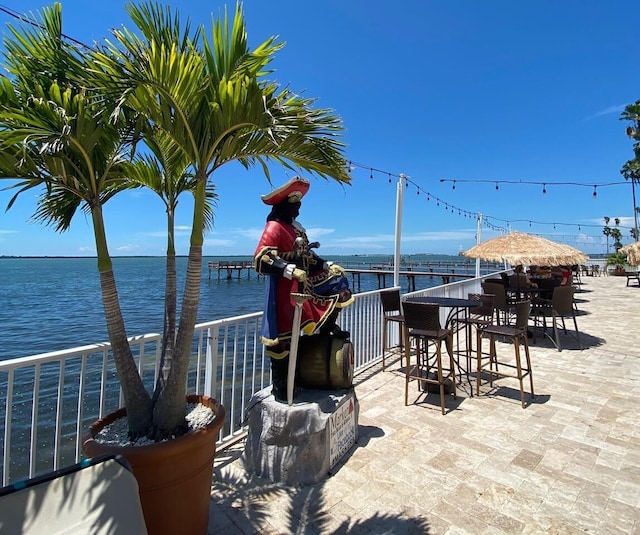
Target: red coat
274 253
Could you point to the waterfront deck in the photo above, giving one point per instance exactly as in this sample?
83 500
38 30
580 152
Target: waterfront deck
569 463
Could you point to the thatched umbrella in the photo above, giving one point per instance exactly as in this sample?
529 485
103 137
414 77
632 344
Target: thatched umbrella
633 253
526 249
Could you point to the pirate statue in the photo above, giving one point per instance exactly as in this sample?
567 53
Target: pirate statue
285 255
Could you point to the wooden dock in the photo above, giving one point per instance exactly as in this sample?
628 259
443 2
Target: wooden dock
231 267
411 275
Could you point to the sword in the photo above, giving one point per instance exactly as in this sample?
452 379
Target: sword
295 336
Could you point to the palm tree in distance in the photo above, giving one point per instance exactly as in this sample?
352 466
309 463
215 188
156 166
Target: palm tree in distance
607 230
198 102
616 234
631 169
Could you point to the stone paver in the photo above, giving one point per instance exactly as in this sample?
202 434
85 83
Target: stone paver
569 463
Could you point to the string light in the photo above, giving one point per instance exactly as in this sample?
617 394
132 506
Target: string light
534 182
486 220
544 189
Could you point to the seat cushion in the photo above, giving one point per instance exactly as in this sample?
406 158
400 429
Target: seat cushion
437 334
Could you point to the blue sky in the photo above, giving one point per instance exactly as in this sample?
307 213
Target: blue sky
477 92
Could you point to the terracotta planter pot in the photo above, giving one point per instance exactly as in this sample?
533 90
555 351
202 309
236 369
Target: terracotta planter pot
174 477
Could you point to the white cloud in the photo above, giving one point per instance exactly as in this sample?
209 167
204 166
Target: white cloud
252 234
127 248
449 235
216 242
607 111
316 232
8 231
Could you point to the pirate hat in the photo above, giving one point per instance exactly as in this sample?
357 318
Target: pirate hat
292 192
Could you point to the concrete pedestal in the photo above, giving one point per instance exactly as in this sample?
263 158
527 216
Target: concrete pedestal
299 444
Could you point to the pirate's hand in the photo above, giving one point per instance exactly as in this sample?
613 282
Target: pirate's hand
337 271
300 275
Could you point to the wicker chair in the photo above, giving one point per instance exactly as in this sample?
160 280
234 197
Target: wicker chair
501 304
479 317
391 313
560 305
422 325
517 334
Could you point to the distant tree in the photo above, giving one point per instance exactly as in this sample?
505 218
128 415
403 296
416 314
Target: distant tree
607 230
631 169
616 234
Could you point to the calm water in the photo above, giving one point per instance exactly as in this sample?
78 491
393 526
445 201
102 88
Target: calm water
49 304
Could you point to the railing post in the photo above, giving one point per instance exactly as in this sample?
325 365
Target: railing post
211 363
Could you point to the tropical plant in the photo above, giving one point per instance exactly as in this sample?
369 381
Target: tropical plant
161 107
617 259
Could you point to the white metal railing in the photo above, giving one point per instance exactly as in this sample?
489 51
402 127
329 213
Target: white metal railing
48 400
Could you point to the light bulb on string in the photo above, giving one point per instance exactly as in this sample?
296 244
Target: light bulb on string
454 185
544 189
389 177
595 193
497 187
371 174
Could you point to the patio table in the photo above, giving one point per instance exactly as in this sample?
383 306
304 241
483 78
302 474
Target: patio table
459 307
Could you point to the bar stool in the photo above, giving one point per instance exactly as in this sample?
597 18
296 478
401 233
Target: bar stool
422 324
516 333
501 303
391 313
479 317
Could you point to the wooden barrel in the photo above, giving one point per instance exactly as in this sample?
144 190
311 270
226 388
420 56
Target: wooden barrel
325 362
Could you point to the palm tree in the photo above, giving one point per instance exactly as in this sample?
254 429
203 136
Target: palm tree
198 103
631 169
168 176
607 230
69 143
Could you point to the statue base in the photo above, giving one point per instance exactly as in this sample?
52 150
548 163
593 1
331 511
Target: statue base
299 444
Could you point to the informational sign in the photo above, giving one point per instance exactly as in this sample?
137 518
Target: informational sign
342 430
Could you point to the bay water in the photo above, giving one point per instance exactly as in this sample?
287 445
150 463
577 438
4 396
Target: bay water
50 304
